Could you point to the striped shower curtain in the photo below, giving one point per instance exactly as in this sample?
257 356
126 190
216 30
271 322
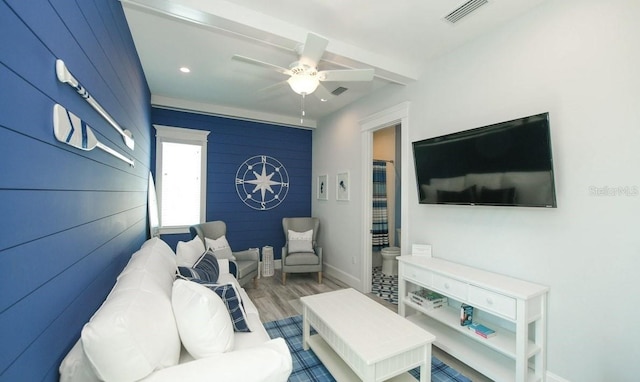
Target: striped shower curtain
380 224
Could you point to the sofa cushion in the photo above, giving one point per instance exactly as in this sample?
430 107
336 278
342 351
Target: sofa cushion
134 332
299 241
302 258
267 362
155 257
202 318
233 301
220 247
75 367
187 253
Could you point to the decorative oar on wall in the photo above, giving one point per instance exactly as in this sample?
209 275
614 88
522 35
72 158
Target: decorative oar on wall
66 77
70 129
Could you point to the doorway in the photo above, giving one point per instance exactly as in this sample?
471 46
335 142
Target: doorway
387 163
390 118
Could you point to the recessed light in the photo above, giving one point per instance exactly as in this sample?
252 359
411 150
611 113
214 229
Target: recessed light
184 69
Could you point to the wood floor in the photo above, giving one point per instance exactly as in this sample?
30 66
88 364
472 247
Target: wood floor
276 301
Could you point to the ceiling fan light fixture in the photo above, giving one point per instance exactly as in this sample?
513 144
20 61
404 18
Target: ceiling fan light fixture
303 81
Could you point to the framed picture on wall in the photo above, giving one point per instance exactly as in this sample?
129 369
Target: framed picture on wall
323 187
342 186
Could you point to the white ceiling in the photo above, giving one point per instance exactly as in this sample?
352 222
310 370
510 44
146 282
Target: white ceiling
397 39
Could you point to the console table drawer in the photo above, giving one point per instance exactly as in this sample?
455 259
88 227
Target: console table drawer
493 302
419 275
451 287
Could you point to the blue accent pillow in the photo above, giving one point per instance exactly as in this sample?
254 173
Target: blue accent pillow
231 299
195 274
208 263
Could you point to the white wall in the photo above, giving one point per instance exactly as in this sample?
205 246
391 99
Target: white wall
580 61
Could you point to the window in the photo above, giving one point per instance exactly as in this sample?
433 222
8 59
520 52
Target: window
181 173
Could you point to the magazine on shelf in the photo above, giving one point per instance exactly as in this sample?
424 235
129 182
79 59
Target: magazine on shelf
482 330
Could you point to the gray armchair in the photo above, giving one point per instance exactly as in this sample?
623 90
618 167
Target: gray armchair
247 261
301 261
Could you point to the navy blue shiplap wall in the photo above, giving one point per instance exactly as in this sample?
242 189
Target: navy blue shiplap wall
230 143
69 219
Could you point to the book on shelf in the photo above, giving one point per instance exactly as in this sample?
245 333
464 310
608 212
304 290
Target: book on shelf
482 330
466 315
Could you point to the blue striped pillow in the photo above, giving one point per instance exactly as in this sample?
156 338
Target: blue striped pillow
195 274
232 300
208 263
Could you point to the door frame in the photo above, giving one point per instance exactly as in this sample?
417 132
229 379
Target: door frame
398 114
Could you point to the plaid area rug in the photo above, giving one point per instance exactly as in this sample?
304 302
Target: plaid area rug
307 367
384 286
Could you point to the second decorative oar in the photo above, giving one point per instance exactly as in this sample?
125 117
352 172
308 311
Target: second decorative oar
70 129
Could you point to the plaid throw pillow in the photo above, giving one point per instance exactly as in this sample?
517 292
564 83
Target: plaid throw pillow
232 300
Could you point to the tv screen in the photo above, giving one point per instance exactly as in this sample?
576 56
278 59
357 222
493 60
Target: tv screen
504 164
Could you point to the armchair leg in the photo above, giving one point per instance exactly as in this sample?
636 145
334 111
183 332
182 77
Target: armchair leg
319 277
284 278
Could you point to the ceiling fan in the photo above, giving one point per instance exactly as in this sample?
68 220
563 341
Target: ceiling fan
304 76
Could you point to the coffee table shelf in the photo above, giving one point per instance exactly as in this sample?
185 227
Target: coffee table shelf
372 341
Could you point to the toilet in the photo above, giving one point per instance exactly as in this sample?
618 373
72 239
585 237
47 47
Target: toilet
389 262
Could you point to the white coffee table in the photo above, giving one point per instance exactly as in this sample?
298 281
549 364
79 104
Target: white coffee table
359 339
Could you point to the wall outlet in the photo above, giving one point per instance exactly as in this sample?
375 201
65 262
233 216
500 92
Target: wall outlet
353 259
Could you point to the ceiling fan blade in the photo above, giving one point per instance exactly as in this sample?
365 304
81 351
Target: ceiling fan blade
271 88
346 75
322 93
267 65
313 50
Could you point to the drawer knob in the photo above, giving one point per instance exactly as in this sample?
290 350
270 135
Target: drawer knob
489 300
446 285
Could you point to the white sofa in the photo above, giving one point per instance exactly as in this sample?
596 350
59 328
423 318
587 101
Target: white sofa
149 319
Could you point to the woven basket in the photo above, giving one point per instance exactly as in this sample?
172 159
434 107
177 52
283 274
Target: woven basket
267 261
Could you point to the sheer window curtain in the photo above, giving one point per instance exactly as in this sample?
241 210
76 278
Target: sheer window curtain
380 224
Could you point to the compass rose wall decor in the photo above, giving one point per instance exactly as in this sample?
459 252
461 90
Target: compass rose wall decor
262 182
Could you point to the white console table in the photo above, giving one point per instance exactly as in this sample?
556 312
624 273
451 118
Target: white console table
516 309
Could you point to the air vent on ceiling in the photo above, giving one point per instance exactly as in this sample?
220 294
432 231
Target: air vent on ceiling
464 10
339 91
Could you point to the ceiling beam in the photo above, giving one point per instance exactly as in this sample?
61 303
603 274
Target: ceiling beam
228 17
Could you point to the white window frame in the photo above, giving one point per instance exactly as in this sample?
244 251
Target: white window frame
186 136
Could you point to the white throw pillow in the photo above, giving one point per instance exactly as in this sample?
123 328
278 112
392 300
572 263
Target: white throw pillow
189 252
132 334
300 241
220 247
202 318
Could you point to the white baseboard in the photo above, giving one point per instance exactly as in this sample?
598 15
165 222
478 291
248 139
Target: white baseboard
555 378
342 276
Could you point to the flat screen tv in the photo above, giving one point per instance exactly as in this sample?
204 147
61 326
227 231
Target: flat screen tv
504 164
